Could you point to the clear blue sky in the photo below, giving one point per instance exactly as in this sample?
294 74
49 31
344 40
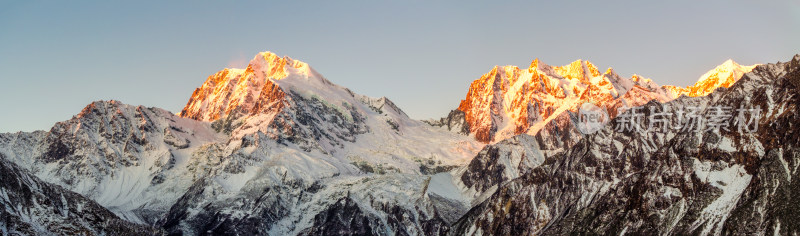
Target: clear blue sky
58 56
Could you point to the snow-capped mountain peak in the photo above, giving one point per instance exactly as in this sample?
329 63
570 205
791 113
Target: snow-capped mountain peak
534 64
579 69
723 75
250 90
268 65
509 101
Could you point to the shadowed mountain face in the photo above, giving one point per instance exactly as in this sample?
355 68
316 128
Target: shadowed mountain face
277 149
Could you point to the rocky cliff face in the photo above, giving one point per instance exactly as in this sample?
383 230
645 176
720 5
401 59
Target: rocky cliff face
455 121
671 182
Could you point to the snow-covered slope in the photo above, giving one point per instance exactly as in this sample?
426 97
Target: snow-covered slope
300 134
30 206
286 100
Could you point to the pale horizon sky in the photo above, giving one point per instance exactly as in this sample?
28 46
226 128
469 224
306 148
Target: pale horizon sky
58 56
